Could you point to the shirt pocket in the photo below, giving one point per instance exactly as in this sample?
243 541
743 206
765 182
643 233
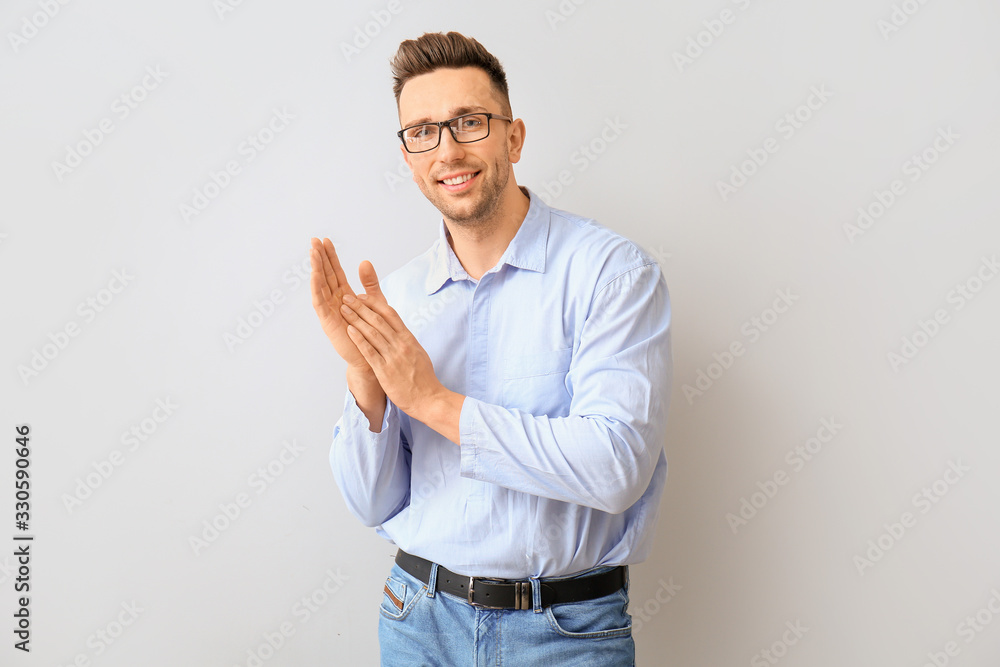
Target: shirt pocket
536 382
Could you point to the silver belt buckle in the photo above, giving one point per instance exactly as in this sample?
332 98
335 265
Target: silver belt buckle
471 591
522 596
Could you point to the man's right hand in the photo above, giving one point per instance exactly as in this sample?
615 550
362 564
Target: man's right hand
329 285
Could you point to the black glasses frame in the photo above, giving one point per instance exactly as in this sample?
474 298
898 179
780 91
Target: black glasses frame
451 128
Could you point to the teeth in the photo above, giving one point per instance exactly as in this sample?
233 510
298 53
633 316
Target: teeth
457 181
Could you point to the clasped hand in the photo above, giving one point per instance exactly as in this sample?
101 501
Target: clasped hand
368 333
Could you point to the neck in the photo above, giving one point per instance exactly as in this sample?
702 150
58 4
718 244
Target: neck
480 246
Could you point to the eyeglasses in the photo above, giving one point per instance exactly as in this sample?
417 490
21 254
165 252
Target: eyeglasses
464 129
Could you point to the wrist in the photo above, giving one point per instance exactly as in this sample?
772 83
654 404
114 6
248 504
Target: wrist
361 373
430 404
365 386
441 410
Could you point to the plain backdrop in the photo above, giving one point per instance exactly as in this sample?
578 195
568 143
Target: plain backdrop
818 182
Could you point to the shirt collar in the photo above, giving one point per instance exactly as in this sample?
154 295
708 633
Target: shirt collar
526 250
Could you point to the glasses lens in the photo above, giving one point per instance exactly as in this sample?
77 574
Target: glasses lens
421 137
472 127
466 129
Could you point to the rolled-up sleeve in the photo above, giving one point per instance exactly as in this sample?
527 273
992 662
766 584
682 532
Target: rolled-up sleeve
371 469
603 453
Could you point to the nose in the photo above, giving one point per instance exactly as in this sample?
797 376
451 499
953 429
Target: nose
449 150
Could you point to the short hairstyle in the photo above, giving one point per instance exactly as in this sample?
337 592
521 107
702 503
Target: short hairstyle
435 50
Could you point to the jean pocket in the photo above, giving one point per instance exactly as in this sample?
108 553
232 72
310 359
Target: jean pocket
601 618
399 595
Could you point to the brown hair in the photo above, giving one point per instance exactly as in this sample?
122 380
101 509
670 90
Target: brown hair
435 50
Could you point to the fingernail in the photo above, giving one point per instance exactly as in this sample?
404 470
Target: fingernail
348 298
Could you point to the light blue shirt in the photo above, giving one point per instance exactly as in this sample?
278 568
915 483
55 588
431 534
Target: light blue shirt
563 353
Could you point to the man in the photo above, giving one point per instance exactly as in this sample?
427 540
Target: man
507 436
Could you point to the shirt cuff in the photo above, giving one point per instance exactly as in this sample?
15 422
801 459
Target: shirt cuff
468 425
358 418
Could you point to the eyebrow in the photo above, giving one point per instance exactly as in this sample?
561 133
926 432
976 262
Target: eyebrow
453 113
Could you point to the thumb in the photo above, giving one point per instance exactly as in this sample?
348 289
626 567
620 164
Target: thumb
369 281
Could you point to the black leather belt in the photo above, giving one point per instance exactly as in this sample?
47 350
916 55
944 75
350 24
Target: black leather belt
508 594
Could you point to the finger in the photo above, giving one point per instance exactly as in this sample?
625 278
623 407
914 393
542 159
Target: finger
322 267
369 328
323 300
369 281
320 263
372 314
370 354
329 273
339 278
387 312
321 297
375 297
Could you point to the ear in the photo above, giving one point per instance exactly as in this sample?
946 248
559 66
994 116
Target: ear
516 140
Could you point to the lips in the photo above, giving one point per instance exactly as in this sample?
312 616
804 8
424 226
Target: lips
459 182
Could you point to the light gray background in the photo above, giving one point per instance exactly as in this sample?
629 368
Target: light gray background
709 595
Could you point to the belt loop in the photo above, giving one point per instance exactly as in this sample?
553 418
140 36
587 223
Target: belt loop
536 595
432 580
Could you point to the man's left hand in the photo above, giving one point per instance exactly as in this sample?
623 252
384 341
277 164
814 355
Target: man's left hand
402 366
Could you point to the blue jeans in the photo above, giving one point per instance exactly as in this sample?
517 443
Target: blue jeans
442 630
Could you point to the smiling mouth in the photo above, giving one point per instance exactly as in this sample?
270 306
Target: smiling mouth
459 180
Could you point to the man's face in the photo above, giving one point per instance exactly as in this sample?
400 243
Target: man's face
444 94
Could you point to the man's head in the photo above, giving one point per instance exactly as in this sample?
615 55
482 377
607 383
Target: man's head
439 77
435 50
